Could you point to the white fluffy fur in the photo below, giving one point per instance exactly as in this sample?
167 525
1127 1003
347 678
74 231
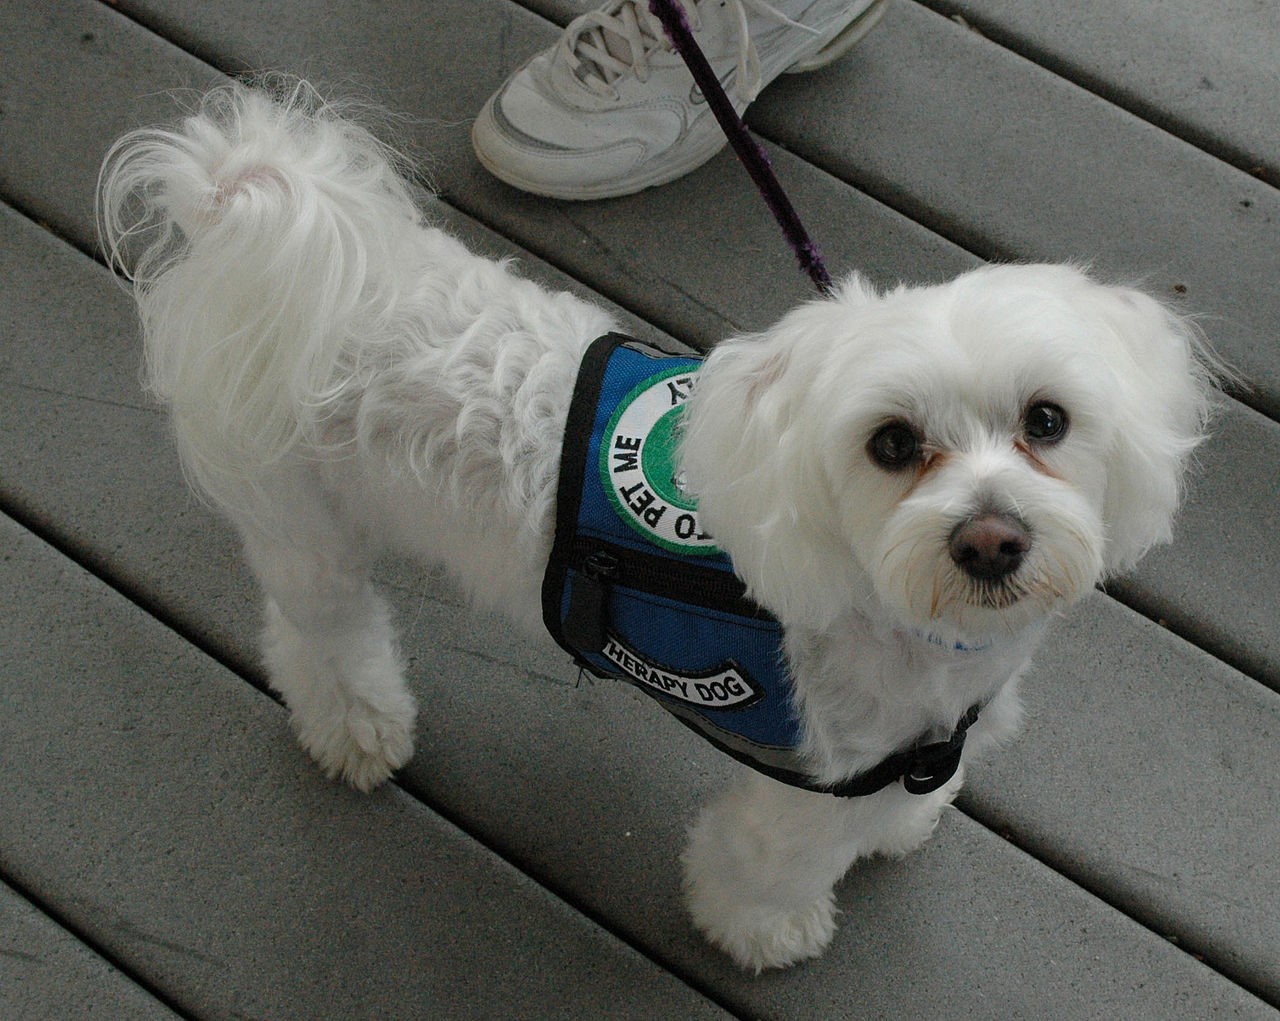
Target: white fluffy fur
346 380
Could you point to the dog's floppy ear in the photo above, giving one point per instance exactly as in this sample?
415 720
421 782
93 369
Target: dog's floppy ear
1164 376
752 454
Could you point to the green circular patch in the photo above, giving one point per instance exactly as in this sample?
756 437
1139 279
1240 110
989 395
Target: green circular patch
659 460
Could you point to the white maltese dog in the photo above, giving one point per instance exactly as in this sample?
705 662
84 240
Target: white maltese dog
906 484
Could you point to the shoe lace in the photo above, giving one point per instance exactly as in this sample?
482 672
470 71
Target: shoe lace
605 46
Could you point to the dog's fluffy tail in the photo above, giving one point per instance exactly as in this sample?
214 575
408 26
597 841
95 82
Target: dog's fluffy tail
260 235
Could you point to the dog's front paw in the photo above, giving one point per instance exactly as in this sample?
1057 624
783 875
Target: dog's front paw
347 699
361 744
760 936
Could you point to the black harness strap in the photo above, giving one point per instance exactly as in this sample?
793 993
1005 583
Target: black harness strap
923 769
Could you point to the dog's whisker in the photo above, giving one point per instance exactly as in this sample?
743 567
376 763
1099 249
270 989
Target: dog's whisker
936 599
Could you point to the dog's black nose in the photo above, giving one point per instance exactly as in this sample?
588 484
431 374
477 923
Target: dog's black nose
989 546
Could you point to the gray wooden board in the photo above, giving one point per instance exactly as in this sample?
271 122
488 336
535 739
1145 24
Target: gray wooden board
1209 72
588 788
1016 163
1219 582
57 125
1150 771
158 801
46 974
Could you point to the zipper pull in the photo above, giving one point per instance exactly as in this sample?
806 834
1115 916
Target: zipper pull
584 624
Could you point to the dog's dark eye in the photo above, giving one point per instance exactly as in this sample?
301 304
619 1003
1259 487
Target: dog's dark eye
1045 423
894 446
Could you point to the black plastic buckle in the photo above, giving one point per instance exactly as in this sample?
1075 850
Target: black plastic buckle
933 765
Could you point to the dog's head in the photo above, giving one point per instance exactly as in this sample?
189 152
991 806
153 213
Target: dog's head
969 456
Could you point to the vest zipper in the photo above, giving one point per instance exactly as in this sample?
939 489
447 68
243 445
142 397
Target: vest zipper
585 622
601 564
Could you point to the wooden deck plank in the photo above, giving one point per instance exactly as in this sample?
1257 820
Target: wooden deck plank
1148 772
1208 72
1015 163
46 973
1219 582
56 125
157 800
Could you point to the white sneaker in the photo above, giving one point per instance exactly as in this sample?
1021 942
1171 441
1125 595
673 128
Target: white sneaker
611 108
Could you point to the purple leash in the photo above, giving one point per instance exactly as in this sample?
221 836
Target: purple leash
748 150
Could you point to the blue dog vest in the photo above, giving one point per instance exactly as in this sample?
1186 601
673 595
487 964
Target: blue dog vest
636 590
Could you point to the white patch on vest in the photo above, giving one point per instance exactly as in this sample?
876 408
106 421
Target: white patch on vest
725 688
632 451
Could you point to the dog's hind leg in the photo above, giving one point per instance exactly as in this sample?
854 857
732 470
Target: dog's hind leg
763 861
331 652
